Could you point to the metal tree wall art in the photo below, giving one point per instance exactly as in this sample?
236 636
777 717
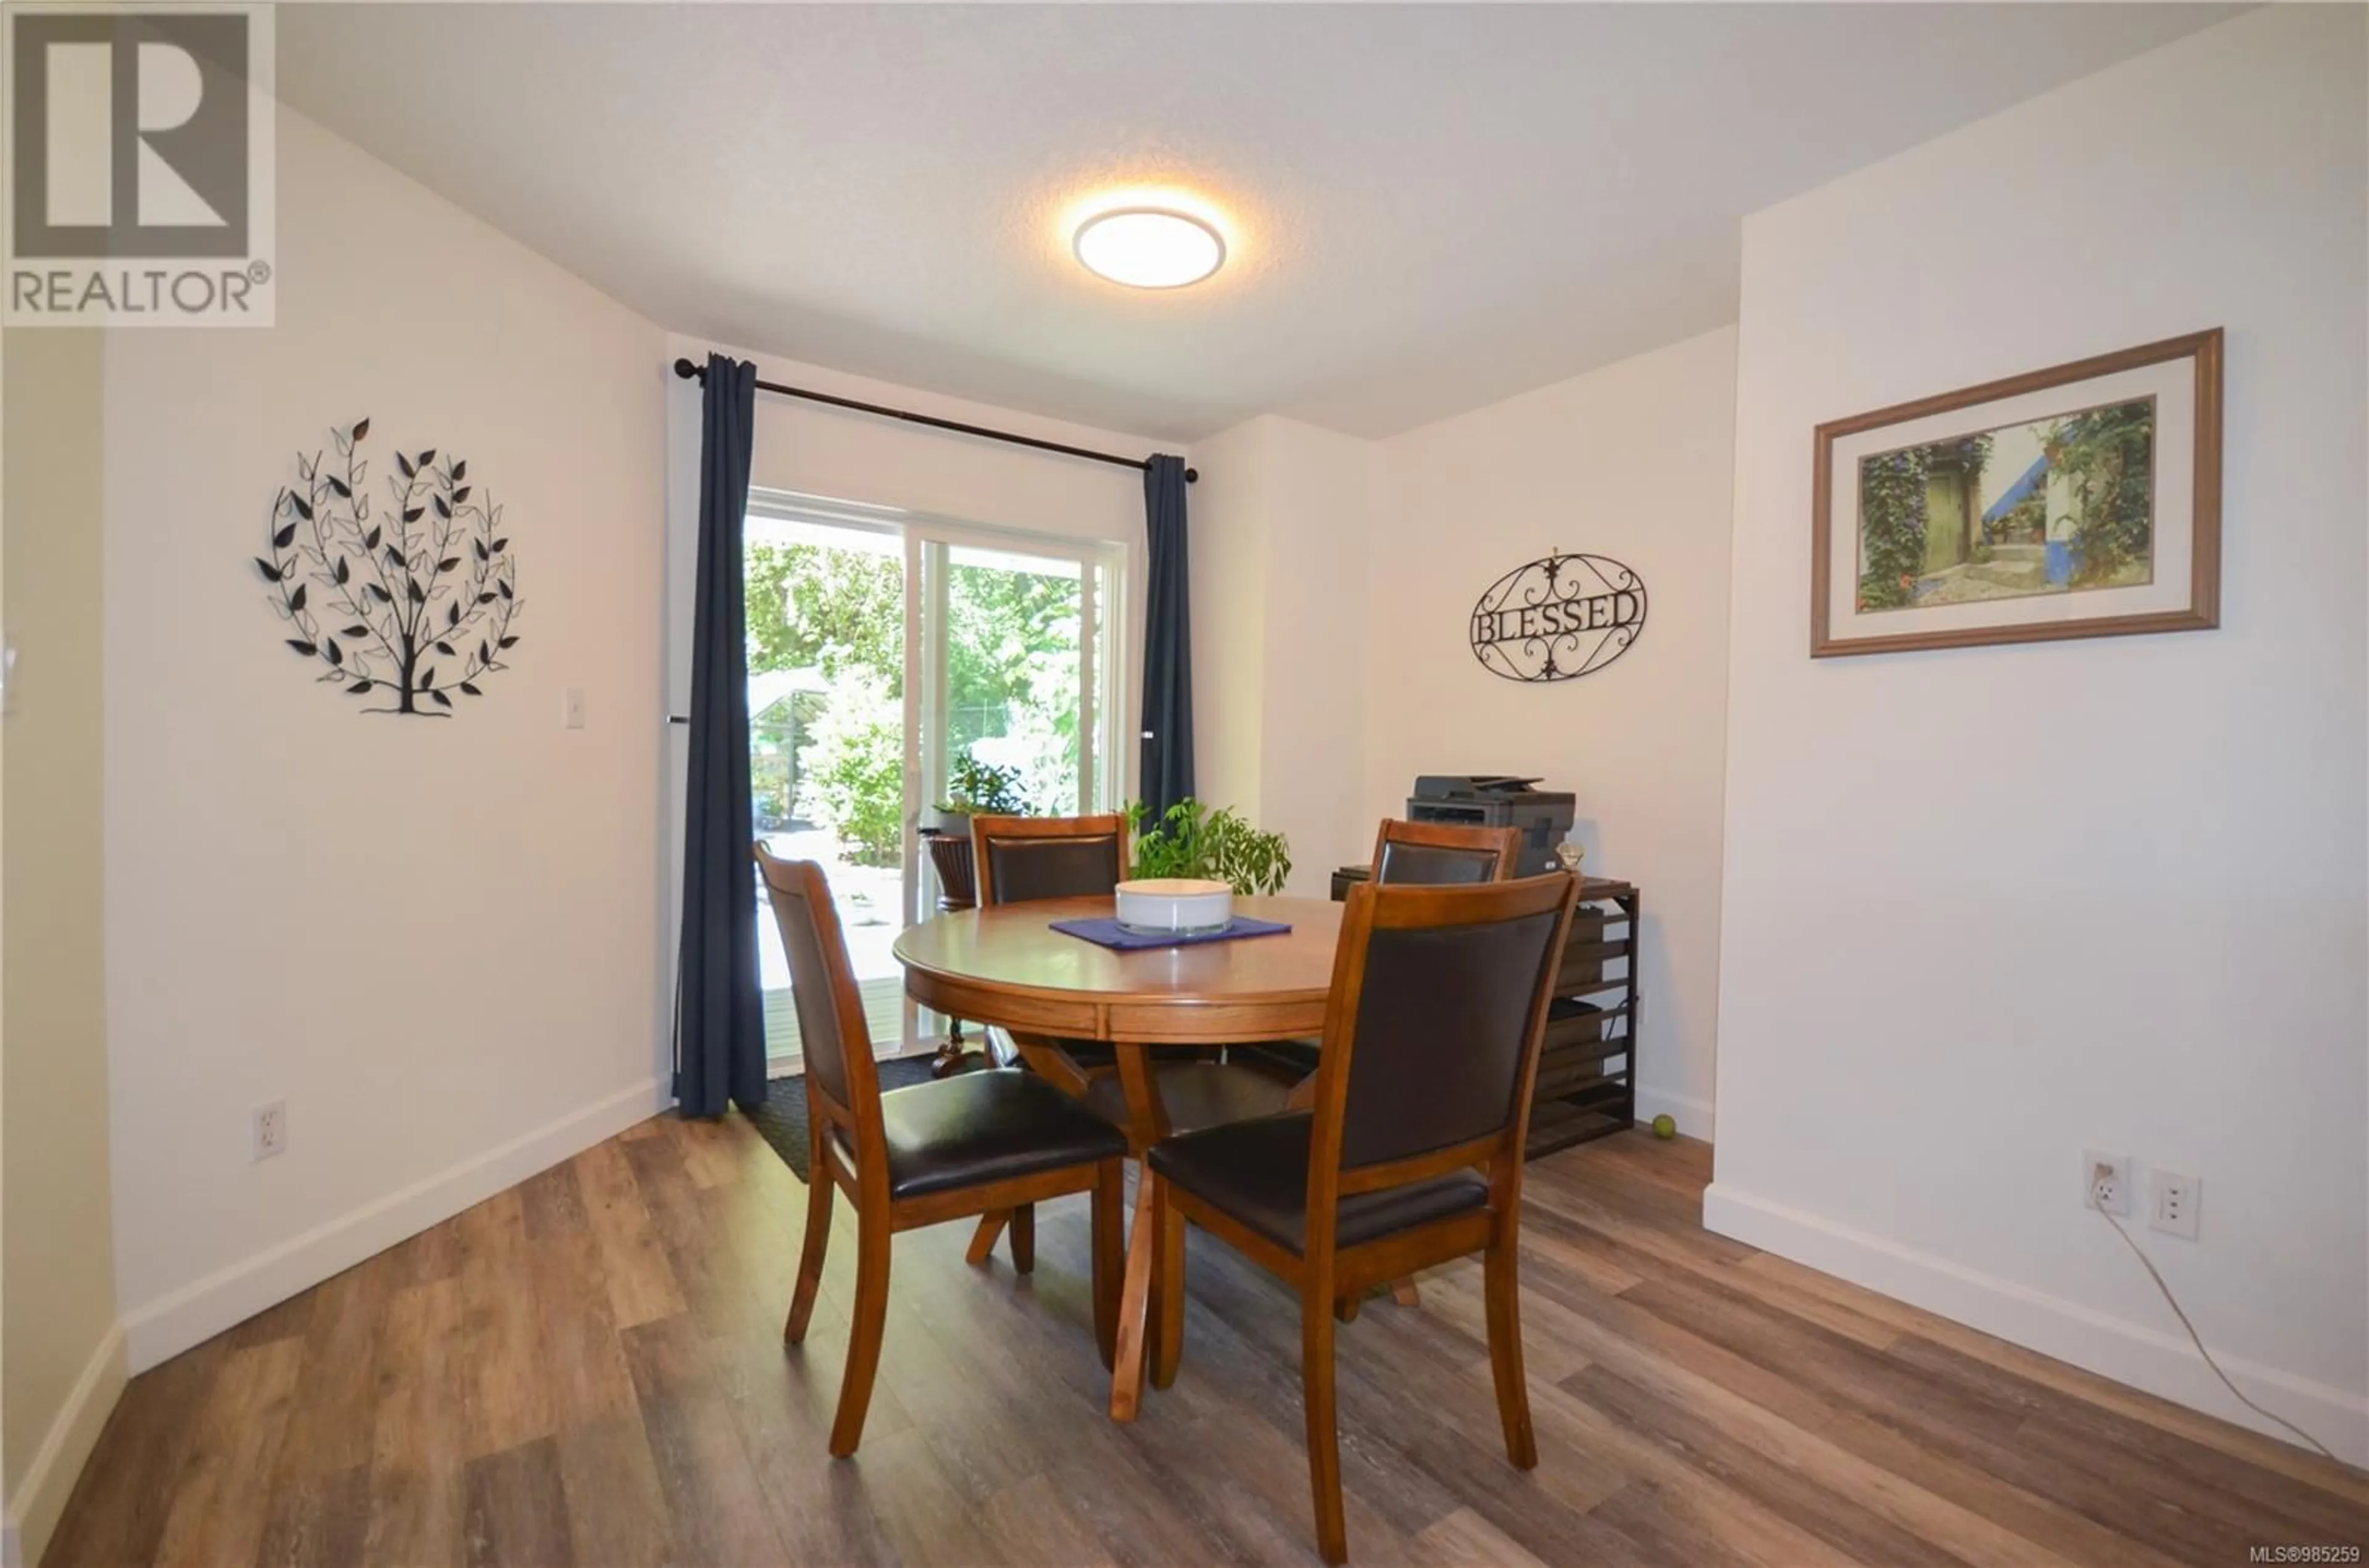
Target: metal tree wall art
411 606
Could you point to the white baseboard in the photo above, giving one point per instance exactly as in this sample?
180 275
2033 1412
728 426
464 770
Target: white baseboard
40 1499
2144 1357
1695 1118
196 1313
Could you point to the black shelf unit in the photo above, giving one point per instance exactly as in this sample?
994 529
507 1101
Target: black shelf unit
1588 1069
1587 1072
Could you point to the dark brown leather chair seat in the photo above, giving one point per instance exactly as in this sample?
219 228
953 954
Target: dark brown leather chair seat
1195 1095
1257 1172
977 1128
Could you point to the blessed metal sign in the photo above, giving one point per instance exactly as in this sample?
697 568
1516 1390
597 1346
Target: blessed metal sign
1559 618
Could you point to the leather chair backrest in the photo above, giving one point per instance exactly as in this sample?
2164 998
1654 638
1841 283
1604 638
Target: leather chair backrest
833 1038
1404 865
1059 857
1443 1031
1443 854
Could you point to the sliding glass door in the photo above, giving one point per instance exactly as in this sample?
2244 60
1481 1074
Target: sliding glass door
886 650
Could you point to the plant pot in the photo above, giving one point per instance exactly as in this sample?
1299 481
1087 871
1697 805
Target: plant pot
950 856
938 819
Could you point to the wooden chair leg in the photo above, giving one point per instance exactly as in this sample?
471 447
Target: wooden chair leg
870 1319
1137 1298
1024 1239
1403 1292
1168 1348
983 1240
1110 1255
1503 1291
820 1191
1324 1435
1145 1190
1346 1307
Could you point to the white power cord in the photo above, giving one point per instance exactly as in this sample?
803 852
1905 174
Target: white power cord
2097 1202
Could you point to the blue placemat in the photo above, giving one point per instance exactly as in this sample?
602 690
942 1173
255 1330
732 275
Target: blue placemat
1108 933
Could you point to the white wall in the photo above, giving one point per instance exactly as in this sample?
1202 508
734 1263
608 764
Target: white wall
1283 540
1632 462
1985 908
61 1356
1227 542
430 937
1333 579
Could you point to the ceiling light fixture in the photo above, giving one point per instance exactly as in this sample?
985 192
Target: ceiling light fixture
1149 248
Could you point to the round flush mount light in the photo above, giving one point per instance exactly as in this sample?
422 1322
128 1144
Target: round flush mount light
1149 248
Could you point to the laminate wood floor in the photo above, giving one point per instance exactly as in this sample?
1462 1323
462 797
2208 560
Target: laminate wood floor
589 1369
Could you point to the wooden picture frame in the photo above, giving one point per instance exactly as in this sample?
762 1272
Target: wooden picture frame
1927 566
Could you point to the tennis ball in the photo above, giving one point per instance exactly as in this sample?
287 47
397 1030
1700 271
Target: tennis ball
1663 1127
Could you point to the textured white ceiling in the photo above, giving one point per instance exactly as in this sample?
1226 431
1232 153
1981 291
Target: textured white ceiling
1429 207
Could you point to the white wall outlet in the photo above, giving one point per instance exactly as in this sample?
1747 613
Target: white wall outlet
2106 1181
571 708
2177 1199
270 1130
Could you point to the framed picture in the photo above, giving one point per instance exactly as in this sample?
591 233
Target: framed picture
2078 501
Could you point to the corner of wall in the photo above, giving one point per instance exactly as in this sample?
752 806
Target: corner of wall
2114 1345
58 1336
157 1331
40 1500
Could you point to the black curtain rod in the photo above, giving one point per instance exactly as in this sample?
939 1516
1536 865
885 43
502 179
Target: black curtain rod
689 372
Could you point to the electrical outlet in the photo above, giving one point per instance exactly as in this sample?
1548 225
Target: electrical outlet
2177 1199
270 1130
2106 1181
571 708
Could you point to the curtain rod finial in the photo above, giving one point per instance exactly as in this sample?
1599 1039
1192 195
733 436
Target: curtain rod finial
1192 475
686 370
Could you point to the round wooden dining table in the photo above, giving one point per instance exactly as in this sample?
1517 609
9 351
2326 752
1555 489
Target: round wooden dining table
1007 966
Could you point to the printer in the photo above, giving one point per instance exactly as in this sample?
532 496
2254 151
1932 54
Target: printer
1497 800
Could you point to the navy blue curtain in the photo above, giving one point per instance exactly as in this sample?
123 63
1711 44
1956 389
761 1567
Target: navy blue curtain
1167 763
719 1037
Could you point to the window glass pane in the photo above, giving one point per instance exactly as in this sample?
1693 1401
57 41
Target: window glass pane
1012 640
825 639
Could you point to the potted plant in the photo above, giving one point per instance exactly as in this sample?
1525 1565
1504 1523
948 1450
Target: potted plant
973 789
1190 840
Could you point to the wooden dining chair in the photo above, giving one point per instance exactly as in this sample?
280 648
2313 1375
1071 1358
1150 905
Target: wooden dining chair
1443 854
1411 1152
1431 854
998 1141
1018 859
1413 854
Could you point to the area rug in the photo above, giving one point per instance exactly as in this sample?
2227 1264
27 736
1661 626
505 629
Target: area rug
782 1123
